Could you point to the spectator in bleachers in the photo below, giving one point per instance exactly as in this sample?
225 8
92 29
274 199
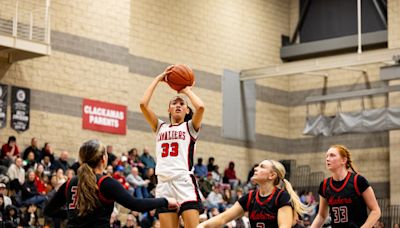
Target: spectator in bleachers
47 166
138 184
11 218
157 223
213 211
200 170
230 176
30 161
9 151
130 222
124 163
53 185
150 175
3 191
62 162
70 173
228 198
60 177
109 170
34 148
137 215
210 165
134 160
114 221
147 159
2 208
148 219
3 174
206 185
41 180
119 176
30 217
309 198
16 173
75 166
30 193
215 199
47 150
216 176
238 194
111 156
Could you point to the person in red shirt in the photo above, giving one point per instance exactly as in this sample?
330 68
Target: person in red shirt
119 176
9 151
230 175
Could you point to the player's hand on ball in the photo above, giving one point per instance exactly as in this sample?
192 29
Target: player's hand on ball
164 75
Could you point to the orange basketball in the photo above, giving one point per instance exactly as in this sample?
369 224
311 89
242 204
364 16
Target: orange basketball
180 77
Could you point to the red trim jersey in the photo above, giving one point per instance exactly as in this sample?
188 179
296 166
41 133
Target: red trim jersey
175 147
263 211
347 207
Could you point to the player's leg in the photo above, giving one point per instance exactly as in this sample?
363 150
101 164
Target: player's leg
190 218
169 220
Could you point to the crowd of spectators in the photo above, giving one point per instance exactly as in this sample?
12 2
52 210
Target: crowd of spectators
30 177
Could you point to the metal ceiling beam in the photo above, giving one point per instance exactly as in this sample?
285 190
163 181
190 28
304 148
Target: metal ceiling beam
318 64
359 93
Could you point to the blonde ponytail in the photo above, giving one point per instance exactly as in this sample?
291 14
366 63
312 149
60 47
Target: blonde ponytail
297 205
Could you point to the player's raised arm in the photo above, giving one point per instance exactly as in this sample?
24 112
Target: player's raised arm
148 113
198 105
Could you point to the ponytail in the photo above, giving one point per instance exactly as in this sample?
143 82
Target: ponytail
91 154
87 190
298 206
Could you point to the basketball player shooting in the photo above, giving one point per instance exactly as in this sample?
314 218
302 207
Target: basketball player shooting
175 146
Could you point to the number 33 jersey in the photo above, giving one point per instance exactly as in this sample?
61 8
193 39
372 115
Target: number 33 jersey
347 207
175 147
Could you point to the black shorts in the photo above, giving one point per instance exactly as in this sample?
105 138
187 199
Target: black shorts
185 206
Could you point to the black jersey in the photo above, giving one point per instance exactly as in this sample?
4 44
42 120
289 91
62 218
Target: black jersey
263 211
110 190
100 215
347 207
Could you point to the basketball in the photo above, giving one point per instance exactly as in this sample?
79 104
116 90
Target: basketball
181 76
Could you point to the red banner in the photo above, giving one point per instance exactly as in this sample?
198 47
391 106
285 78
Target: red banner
104 117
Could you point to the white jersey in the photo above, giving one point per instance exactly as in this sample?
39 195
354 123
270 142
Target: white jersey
175 147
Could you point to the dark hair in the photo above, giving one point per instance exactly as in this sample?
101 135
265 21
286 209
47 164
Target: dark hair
12 139
130 152
90 154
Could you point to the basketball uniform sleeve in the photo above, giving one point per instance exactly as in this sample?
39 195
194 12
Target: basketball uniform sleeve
56 202
113 190
320 190
159 124
243 201
284 199
192 131
362 183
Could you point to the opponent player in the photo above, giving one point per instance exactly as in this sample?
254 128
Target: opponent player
90 196
269 205
175 146
346 194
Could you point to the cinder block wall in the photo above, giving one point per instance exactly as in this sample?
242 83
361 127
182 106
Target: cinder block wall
111 53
